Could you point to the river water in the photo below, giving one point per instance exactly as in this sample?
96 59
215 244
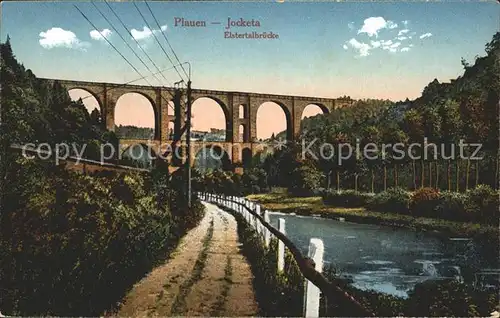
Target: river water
386 259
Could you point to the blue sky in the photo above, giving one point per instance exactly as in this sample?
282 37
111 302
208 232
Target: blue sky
324 48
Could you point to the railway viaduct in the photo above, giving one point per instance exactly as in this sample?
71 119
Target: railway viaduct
240 110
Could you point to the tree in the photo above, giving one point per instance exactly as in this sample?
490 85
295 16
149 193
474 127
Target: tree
306 178
95 117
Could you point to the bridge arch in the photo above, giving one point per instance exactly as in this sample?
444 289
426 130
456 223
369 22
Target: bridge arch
210 115
89 98
271 117
135 116
212 157
314 109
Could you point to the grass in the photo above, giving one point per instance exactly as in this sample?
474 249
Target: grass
282 202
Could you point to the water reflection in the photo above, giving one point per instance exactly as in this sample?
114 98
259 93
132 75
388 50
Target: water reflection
390 260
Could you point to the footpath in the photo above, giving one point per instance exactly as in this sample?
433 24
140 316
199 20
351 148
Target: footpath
206 276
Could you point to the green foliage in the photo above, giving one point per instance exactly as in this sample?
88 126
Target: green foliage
476 205
483 204
452 206
280 165
73 243
254 181
346 198
423 202
218 181
442 299
446 298
395 200
133 132
305 179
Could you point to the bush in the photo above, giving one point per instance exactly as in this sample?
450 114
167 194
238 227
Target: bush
218 181
451 206
73 244
423 202
306 178
482 204
395 200
254 181
346 198
441 299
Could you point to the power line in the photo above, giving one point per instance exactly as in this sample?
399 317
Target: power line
166 39
95 28
130 33
133 51
128 45
135 69
157 41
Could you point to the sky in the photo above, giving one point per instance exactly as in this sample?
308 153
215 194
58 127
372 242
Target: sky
389 50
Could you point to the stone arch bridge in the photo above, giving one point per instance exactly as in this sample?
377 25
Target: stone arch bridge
240 110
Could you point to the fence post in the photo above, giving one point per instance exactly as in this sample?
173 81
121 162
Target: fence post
281 246
257 223
267 233
254 220
311 292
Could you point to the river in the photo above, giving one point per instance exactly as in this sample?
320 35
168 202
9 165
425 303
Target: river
386 259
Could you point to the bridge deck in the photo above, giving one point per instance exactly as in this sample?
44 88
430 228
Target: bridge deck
196 90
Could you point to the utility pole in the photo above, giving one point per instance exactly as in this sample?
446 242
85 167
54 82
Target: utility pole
188 141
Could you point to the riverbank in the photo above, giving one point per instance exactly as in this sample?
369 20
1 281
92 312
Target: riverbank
313 206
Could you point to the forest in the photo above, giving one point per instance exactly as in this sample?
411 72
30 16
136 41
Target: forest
72 243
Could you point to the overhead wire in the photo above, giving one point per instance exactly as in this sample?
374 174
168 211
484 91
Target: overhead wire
133 37
166 39
156 39
114 47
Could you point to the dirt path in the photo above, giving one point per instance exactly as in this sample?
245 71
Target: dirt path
206 276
